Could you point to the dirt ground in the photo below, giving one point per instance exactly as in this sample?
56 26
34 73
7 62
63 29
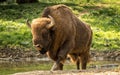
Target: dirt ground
71 72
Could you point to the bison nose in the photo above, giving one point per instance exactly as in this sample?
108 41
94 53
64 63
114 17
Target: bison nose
38 45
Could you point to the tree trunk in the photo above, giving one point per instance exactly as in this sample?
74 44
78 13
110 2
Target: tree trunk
2 0
26 1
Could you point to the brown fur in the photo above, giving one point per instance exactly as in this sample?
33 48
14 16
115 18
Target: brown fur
70 36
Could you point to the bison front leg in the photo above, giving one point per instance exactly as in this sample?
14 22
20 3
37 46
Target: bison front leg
57 65
62 54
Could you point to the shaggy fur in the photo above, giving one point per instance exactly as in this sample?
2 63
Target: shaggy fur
69 36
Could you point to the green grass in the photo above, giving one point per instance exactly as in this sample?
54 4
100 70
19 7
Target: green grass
105 23
14 67
103 16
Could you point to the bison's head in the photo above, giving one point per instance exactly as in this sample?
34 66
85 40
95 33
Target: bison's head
41 32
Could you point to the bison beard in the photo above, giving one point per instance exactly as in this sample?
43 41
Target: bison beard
69 37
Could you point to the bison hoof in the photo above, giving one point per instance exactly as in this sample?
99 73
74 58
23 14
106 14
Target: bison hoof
57 67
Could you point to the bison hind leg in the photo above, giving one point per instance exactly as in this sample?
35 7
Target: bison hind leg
75 59
84 59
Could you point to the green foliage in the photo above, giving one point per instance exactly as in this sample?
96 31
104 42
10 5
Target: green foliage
13 31
13 34
105 23
103 18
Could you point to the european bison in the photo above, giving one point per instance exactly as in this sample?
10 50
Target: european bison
59 33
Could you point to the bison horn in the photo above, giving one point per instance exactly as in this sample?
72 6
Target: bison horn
28 24
52 22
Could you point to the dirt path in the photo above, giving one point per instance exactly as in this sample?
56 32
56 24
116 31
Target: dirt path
71 72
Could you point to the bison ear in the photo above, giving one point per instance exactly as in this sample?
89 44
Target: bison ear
52 23
27 23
